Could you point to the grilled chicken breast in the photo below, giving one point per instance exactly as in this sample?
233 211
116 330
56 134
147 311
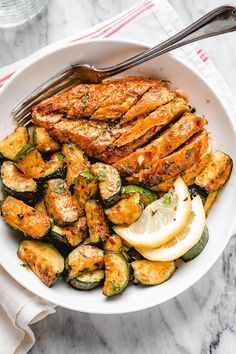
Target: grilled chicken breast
139 125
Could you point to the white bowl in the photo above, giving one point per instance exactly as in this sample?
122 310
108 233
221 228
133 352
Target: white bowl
221 220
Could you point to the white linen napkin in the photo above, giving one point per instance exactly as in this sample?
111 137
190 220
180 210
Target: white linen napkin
18 307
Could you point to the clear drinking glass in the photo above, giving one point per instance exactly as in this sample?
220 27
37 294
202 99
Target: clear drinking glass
16 12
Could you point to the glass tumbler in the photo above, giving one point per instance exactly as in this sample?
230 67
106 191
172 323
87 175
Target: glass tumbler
16 12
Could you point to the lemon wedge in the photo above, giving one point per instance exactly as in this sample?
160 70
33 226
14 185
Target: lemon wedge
184 241
161 220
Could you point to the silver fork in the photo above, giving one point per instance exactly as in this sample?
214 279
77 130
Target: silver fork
218 21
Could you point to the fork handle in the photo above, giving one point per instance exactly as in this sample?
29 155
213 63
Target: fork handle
219 21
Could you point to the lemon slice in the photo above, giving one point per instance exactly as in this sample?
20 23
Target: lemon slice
184 241
161 220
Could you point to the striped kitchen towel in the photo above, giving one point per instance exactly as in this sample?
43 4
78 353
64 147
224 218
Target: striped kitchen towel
18 307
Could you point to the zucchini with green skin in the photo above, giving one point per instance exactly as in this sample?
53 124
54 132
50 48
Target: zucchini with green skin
126 211
16 145
109 182
88 280
207 198
97 224
59 202
43 141
198 248
15 183
72 235
152 273
85 187
147 196
76 162
33 165
117 273
84 258
216 173
25 219
43 259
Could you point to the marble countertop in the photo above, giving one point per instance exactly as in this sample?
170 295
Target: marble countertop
201 320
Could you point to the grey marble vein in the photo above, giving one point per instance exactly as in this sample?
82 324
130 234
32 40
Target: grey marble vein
201 320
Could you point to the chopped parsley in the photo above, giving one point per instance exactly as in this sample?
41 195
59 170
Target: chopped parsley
60 156
188 153
60 188
101 176
84 99
167 199
115 286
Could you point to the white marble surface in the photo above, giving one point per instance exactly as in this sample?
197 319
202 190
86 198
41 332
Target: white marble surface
203 319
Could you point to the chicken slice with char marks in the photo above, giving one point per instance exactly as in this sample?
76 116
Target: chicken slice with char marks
120 100
190 154
169 141
188 175
160 117
153 98
81 132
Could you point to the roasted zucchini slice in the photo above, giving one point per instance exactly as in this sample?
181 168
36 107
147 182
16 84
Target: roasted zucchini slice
15 183
59 202
34 166
43 259
116 273
216 173
43 141
24 218
76 162
84 258
207 198
14 146
113 243
85 187
97 224
72 235
87 280
152 273
198 248
126 211
109 182
147 196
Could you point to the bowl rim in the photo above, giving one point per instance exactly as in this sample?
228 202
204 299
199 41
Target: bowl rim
47 51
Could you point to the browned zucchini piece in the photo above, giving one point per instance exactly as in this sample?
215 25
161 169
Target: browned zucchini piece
85 187
76 162
109 182
84 258
116 273
34 166
127 210
113 243
14 146
24 218
43 141
216 173
152 273
59 202
15 183
43 259
97 224
72 235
